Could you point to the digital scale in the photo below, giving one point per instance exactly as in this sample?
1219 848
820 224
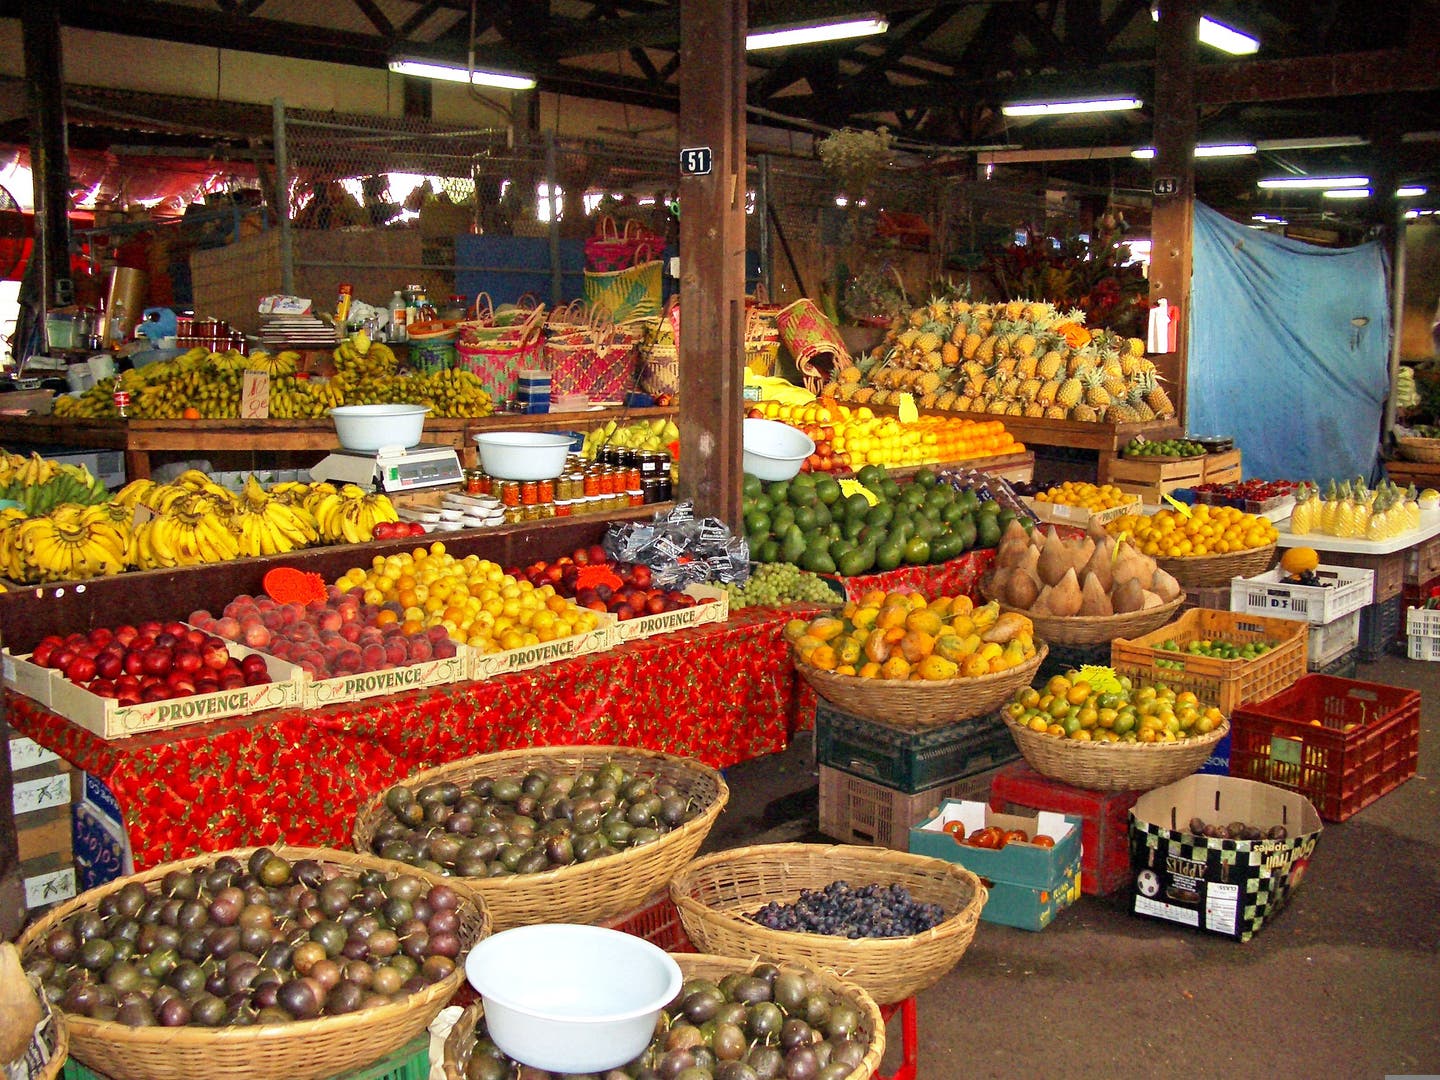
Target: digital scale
392 468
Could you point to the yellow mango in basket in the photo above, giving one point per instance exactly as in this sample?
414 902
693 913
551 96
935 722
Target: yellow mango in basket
950 647
985 615
848 651
892 615
864 617
876 648
925 620
869 671
794 630
822 657
805 645
895 668
974 666
941 606
826 628
916 645
937 667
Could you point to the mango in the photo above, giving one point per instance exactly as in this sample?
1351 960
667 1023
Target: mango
826 627
985 615
937 667
873 598
892 615
864 618
876 648
941 605
848 651
961 605
916 645
845 669
794 629
925 621
805 645
895 667
962 625
950 647
822 657
870 670
974 666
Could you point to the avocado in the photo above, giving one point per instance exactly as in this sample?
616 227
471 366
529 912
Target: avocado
880 514
987 531
778 490
792 545
823 514
769 551
827 489
751 486
757 521
856 561
968 532
925 477
917 551
818 561
851 528
856 506
889 554
805 518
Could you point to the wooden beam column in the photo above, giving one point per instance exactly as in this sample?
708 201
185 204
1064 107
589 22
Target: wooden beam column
1176 124
49 149
712 255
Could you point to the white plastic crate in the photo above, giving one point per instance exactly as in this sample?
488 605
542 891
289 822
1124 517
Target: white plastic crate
1422 634
1267 594
1332 640
1422 647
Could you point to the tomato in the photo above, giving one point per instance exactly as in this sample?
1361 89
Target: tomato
1041 840
1014 836
956 829
988 837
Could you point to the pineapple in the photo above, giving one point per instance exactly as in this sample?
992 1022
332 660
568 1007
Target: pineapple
881 397
1048 389
1015 409
927 400
949 354
930 339
1027 366
971 345
1155 395
1084 413
865 394
850 374
1069 393
1302 518
1138 404
963 403
1025 343
1114 380
929 382
983 325
1014 309
1029 389
1096 396
959 307
1329 510
1122 412
907 338
1134 346
946 400
1007 366
985 354
918 318
998 407
1037 312
1055 412
1050 364
830 389
1035 409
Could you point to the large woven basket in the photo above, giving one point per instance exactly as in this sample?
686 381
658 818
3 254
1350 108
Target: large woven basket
1414 448
716 894
581 892
1093 629
918 704
1113 766
303 1050
1204 571
460 1043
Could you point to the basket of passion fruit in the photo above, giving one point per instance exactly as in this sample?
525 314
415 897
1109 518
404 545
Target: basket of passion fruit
1202 546
913 663
1094 729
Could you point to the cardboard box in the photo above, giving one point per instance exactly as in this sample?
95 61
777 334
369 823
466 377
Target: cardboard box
1079 516
1226 887
713 607
101 841
26 678
488 665
1029 885
364 684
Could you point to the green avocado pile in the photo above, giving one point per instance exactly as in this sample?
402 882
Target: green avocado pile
810 522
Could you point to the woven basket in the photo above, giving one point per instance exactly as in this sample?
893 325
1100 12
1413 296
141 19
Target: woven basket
1117 766
659 369
917 704
1095 629
460 1043
716 895
303 1050
1204 571
53 1040
583 892
1413 448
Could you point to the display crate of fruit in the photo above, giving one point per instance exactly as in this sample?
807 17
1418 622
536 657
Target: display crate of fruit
1340 743
796 984
253 1033
1030 862
722 897
412 675
105 705
25 677
615 873
1150 479
1339 590
1222 467
709 605
1273 498
486 665
1213 654
1063 514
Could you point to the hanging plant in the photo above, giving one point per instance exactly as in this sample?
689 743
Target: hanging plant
855 158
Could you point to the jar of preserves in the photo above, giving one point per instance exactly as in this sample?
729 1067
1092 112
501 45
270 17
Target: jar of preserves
546 491
529 492
510 493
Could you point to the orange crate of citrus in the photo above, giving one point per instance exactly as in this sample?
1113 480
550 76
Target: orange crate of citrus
899 635
1081 493
1205 530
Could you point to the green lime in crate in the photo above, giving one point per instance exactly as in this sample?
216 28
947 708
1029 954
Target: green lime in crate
410 1062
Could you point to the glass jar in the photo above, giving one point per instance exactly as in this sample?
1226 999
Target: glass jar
510 493
529 493
546 491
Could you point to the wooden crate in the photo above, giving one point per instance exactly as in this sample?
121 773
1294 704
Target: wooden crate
1389 570
1222 468
1150 478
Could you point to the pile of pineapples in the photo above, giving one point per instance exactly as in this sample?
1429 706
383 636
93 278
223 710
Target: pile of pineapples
1354 510
1018 358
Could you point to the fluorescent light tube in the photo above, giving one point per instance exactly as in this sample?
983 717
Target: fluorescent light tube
1302 182
1056 108
1219 36
1409 191
1146 153
810 33
1347 193
429 69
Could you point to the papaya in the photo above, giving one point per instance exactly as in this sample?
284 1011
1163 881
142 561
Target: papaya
985 615
794 630
937 667
916 645
873 598
950 647
869 670
1006 627
805 645
864 617
962 625
822 657
826 627
941 605
974 666
848 650
892 615
924 620
896 667
876 648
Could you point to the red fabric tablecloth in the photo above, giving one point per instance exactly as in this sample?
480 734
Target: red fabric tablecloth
720 693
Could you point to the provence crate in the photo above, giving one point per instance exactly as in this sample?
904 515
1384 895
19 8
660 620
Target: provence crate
1151 480
859 811
1226 684
1332 640
1349 590
487 665
1222 468
1104 817
1379 625
1422 561
1339 742
32 680
1389 571
410 1062
712 606
365 684
909 761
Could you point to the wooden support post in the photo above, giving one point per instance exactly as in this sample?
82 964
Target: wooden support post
49 149
1171 221
712 256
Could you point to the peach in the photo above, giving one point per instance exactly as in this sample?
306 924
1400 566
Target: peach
347 662
420 648
200 618
273 618
264 603
396 651
334 593
437 633
330 619
303 632
445 649
372 656
256 635
351 631
227 627
349 611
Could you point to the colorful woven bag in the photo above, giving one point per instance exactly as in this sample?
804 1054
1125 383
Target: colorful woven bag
633 292
813 340
495 354
596 358
614 247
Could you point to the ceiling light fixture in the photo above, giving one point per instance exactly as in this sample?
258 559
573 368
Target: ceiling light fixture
778 37
1219 36
430 69
1320 142
1301 183
1211 150
1346 193
1268 219
1410 191
1056 108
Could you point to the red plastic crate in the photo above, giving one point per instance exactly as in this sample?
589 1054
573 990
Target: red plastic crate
657 921
1105 821
1339 742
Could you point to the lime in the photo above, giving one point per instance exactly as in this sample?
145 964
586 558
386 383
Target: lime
925 477
751 486
757 521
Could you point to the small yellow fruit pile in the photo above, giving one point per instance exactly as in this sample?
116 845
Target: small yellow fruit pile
473 598
1068 707
899 635
1092 497
1209 530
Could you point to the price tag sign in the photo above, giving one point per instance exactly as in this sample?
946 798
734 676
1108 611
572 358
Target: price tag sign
696 161
254 395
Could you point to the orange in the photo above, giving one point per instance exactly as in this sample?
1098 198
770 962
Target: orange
190 413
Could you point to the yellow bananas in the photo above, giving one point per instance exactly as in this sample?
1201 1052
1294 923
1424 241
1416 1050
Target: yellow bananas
350 513
70 543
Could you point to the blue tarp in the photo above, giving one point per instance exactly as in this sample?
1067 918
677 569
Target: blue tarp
1289 350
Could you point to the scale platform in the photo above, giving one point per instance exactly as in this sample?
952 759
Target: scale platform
392 468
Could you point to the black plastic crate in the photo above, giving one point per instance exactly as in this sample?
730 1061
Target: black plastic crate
1063 658
910 761
1380 624
1342 667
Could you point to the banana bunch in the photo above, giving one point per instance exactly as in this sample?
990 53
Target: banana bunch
361 358
350 513
39 485
188 533
18 470
267 525
70 543
281 363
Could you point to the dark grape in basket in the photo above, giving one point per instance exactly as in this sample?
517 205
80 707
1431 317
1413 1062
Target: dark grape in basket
843 910
235 944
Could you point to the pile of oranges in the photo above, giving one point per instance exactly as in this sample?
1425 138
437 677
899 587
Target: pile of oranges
1206 530
1082 493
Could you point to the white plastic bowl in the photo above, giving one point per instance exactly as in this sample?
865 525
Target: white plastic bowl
370 427
571 998
774 451
522 455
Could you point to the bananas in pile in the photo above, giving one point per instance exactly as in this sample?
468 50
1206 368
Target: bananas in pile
210 384
39 484
348 513
70 543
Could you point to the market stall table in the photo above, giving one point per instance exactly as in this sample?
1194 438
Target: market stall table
720 693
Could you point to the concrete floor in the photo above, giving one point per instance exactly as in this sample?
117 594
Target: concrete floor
1342 983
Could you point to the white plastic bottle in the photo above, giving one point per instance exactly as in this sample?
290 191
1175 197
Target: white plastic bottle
398 313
